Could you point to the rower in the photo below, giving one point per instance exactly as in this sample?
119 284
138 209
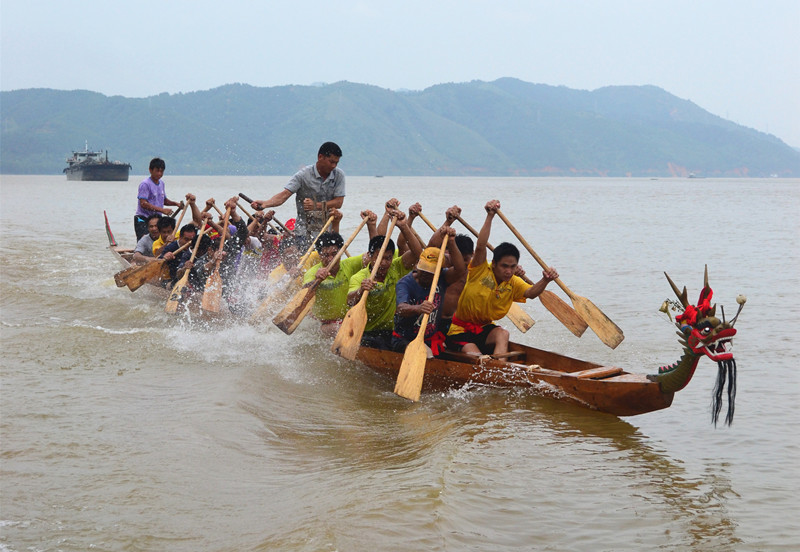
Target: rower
413 291
330 305
381 302
489 293
143 253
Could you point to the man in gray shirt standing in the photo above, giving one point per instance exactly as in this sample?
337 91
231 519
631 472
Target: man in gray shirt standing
315 186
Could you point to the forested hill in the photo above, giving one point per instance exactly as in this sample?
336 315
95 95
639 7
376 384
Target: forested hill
505 127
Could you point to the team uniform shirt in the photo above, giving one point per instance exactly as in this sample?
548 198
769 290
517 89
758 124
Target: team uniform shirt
381 302
307 183
483 300
157 244
331 296
153 192
409 291
145 246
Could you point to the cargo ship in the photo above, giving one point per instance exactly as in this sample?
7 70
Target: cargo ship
94 165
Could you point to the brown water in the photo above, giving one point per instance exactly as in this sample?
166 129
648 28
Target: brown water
125 429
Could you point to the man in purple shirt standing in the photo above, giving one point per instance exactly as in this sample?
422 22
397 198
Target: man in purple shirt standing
152 197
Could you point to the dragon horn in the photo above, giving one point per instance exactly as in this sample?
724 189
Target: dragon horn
682 296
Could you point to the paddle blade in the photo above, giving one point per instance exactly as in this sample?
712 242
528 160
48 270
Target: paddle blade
119 277
348 339
608 332
278 294
412 370
563 312
143 274
212 296
277 273
295 310
521 319
176 294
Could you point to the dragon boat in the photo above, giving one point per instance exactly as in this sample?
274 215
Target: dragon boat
607 389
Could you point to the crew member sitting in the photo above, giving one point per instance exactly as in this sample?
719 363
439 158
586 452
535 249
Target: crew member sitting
489 293
412 295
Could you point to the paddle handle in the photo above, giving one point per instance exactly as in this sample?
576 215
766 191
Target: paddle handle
386 238
427 221
178 224
425 317
376 263
197 242
533 253
348 242
305 257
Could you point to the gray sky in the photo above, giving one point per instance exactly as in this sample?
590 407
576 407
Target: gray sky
737 59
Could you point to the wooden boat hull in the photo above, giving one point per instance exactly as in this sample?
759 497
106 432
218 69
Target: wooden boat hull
601 388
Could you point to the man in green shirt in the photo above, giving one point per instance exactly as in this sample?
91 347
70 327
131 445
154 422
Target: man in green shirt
382 295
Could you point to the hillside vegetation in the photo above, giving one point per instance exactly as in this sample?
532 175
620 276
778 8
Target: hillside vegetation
506 127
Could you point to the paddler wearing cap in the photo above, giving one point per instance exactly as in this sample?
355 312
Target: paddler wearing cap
316 187
487 296
413 290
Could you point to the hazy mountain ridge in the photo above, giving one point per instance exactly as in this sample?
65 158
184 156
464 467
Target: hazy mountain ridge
504 127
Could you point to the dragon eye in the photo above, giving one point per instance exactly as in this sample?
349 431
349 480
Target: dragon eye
705 328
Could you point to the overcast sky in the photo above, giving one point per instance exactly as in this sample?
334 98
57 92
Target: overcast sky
737 59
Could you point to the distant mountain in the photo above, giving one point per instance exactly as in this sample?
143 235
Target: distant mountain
505 127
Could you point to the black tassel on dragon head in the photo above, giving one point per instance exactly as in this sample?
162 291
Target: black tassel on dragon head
702 334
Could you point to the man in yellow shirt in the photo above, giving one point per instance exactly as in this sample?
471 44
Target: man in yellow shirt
488 294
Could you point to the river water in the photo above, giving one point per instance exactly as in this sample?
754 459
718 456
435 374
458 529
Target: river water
125 429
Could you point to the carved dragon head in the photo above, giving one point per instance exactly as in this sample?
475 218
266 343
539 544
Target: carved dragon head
702 334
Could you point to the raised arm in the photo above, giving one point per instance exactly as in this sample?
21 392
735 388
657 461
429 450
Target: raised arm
458 266
479 257
390 207
372 220
411 256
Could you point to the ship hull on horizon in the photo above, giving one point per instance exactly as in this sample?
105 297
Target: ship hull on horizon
102 172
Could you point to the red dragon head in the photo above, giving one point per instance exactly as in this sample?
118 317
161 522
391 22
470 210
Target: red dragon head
702 333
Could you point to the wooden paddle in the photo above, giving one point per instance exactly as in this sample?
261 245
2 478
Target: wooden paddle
278 272
146 272
297 307
120 277
212 295
412 369
552 302
608 332
521 319
178 224
275 276
177 290
348 338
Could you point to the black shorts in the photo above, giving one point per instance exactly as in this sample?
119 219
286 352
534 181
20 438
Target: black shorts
139 226
456 342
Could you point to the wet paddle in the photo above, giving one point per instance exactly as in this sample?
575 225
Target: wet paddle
298 306
348 338
608 332
146 272
275 276
177 290
412 369
212 295
552 302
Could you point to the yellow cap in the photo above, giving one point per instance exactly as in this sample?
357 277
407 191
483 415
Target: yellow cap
428 259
